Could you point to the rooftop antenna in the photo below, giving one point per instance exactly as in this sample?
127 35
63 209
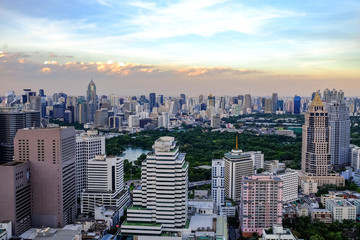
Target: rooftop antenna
236 143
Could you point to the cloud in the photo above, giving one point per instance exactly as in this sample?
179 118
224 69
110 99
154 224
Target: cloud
215 71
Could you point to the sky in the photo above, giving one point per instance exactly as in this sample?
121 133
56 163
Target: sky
223 47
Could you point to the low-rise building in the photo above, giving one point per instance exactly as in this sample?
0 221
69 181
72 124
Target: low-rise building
303 210
341 209
277 232
200 207
323 215
309 186
228 209
331 195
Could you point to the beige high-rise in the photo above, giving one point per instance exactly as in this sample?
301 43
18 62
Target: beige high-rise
316 158
51 153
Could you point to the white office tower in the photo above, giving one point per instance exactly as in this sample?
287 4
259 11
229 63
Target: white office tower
88 145
258 159
355 156
105 185
290 179
237 165
339 122
160 203
163 120
133 121
218 182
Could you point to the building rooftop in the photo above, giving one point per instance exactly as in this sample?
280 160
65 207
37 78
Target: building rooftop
145 224
12 163
339 203
202 203
201 222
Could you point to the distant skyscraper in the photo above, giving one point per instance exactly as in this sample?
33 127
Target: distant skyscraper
280 105
247 103
91 100
339 122
274 101
160 203
10 122
297 105
51 152
218 182
268 106
41 93
105 184
152 101
261 203
15 196
211 100
316 157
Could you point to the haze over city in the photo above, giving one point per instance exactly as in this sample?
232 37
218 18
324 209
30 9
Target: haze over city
217 46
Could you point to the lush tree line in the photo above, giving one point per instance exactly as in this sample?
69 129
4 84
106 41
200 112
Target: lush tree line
202 145
304 228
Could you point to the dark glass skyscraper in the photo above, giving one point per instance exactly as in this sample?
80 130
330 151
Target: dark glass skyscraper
297 105
152 102
10 122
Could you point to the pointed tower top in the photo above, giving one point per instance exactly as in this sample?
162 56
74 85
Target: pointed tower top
317 101
91 82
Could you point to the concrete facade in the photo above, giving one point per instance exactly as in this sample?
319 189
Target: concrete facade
51 153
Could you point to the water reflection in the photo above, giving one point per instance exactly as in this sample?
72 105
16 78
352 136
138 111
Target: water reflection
133 153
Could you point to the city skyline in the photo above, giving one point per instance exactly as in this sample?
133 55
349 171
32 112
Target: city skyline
220 47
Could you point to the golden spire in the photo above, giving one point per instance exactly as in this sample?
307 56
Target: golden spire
317 101
236 143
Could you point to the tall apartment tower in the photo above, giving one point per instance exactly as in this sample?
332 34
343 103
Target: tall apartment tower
87 147
339 121
316 156
237 165
10 121
15 197
105 184
51 153
261 203
160 203
218 182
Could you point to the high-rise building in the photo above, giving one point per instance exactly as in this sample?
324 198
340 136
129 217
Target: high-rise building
268 106
87 147
105 184
247 103
15 197
218 182
152 101
160 203
237 165
12 120
280 105
290 184
297 105
215 121
51 152
274 101
316 156
355 157
339 122
261 203
258 159
91 100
